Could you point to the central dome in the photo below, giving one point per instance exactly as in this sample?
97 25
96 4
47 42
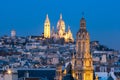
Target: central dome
61 24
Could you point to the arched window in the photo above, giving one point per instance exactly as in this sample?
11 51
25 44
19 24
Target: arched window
79 46
84 47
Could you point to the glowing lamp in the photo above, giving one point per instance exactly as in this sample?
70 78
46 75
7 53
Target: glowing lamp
9 71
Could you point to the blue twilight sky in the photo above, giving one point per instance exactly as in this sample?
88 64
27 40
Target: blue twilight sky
27 17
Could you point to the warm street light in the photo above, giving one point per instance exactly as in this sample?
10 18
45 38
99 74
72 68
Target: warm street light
9 71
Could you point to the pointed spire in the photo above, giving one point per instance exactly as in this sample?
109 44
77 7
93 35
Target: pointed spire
47 17
82 22
60 16
82 14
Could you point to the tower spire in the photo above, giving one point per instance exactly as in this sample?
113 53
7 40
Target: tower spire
82 14
60 16
47 17
82 22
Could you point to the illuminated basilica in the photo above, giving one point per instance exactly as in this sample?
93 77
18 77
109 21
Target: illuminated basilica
60 33
81 63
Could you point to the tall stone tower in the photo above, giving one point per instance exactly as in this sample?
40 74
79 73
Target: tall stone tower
83 60
47 27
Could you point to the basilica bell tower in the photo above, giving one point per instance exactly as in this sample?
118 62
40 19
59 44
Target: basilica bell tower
47 27
83 69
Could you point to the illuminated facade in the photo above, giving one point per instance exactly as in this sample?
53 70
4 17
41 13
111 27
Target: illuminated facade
82 62
61 27
61 32
47 27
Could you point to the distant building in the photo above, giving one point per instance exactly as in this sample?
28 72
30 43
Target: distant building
13 33
27 77
1 77
30 79
61 32
10 75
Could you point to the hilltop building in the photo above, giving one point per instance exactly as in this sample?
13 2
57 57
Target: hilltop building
60 33
13 33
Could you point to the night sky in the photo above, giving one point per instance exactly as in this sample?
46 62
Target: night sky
27 17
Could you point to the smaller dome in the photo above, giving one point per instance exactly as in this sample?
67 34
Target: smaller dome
60 23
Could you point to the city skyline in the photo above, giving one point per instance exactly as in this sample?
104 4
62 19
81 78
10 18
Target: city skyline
102 21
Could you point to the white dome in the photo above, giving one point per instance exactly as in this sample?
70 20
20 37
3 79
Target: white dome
61 24
13 33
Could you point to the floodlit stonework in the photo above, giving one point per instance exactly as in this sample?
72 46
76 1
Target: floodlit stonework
47 27
81 63
60 33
